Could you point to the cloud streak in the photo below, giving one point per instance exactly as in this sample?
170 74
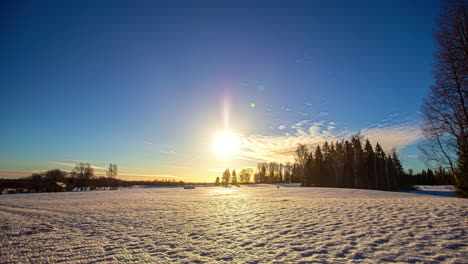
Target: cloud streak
164 149
281 148
73 165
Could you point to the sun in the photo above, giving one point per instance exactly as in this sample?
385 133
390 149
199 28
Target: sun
226 144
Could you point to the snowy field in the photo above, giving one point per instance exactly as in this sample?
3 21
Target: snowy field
256 224
440 190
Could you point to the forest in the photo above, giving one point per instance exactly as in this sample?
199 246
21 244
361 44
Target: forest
354 163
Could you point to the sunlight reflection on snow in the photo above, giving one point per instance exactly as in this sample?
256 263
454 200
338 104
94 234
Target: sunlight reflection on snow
225 191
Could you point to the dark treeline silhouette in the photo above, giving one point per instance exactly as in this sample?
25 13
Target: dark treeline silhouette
439 176
345 163
273 172
232 178
81 178
354 163
350 164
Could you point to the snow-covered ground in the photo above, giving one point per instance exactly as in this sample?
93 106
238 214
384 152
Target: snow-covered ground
440 190
256 224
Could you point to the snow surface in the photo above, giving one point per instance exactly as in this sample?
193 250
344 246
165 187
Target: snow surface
250 224
440 190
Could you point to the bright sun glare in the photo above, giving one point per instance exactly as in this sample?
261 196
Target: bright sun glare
226 144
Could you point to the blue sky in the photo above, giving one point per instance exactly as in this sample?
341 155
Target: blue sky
147 84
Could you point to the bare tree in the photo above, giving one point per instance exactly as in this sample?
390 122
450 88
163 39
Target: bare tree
245 175
445 108
302 154
82 173
112 170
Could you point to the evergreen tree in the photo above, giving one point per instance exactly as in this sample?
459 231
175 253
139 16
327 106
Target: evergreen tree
359 179
399 171
338 159
226 177
234 177
348 169
280 173
308 171
370 168
318 168
327 164
381 167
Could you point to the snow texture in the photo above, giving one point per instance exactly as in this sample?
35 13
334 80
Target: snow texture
250 224
440 190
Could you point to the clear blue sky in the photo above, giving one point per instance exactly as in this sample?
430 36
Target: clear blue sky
144 83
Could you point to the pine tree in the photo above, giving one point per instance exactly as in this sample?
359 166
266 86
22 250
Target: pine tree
348 170
381 167
309 176
338 158
359 181
318 167
370 165
226 177
326 164
234 177
399 171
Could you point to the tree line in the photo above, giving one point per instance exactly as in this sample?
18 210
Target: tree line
350 164
354 163
232 178
81 178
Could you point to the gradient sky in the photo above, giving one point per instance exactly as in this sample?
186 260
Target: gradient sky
147 84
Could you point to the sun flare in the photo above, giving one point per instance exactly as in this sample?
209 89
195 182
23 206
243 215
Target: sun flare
226 144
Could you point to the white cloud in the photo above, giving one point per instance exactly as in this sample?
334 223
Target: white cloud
9 174
164 149
73 165
217 170
281 127
281 148
300 124
394 135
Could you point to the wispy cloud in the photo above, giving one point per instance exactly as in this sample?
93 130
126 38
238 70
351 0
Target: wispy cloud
164 149
217 170
149 176
17 174
221 170
73 165
281 148
394 135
